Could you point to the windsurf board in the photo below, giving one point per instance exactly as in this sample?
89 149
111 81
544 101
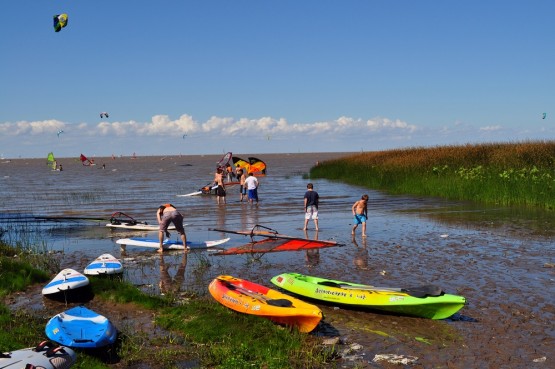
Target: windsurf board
199 192
67 279
104 264
45 355
138 226
169 244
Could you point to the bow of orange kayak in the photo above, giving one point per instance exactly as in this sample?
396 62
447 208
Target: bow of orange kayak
250 298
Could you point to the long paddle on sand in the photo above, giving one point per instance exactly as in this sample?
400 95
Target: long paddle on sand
422 291
256 295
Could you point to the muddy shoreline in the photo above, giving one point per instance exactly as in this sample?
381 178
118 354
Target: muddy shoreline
500 259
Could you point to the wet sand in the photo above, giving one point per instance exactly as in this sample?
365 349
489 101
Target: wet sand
500 259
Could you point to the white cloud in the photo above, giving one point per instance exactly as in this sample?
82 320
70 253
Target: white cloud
268 135
33 128
225 126
490 128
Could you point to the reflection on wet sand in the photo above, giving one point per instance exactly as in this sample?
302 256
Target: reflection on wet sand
312 255
361 254
169 285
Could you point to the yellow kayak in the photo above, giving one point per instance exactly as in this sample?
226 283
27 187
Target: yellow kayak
251 298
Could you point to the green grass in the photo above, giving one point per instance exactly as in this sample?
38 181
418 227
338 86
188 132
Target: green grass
195 331
511 174
232 340
16 275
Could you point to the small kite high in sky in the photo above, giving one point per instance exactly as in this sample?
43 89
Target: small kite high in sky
104 115
60 21
59 132
544 115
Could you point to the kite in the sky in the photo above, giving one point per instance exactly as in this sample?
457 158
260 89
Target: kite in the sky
185 135
104 115
544 115
59 132
60 21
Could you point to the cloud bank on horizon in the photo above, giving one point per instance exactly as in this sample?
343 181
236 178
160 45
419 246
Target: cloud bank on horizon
163 125
161 133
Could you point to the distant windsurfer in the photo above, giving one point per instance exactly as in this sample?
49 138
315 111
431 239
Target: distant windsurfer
167 214
360 213
219 182
311 199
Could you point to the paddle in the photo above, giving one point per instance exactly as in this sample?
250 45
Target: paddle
256 295
423 291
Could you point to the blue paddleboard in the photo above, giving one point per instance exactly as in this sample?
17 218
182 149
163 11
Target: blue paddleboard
81 327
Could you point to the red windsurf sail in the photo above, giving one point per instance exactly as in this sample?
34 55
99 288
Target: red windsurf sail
272 242
85 161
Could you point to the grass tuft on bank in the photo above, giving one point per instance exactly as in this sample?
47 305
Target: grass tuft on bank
511 174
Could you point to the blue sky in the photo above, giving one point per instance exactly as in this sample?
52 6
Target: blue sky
205 77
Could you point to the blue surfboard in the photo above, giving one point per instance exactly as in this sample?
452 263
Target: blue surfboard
67 279
104 264
81 327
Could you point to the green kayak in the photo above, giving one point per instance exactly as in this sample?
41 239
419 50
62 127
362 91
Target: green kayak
426 301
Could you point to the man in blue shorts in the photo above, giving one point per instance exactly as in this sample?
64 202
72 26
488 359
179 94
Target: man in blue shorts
252 187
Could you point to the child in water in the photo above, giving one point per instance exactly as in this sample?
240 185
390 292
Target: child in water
360 212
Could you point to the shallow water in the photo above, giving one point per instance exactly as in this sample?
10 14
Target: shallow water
498 258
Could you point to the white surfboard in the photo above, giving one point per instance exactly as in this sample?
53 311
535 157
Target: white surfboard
104 264
196 192
39 357
67 279
169 244
139 226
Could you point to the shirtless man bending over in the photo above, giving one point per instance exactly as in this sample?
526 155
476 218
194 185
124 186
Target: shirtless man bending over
167 214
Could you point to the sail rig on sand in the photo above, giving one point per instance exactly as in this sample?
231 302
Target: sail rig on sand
272 241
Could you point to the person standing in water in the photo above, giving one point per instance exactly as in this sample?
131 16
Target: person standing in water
311 199
252 187
219 182
360 212
241 177
167 214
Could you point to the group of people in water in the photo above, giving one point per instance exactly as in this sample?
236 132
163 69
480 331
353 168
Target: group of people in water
248 187
248 184
168 214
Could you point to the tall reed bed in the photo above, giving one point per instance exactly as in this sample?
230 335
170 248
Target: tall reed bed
26 242
500 173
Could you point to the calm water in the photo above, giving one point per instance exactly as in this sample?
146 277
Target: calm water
496 257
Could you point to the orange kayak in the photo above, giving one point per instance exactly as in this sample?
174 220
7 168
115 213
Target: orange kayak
251 298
